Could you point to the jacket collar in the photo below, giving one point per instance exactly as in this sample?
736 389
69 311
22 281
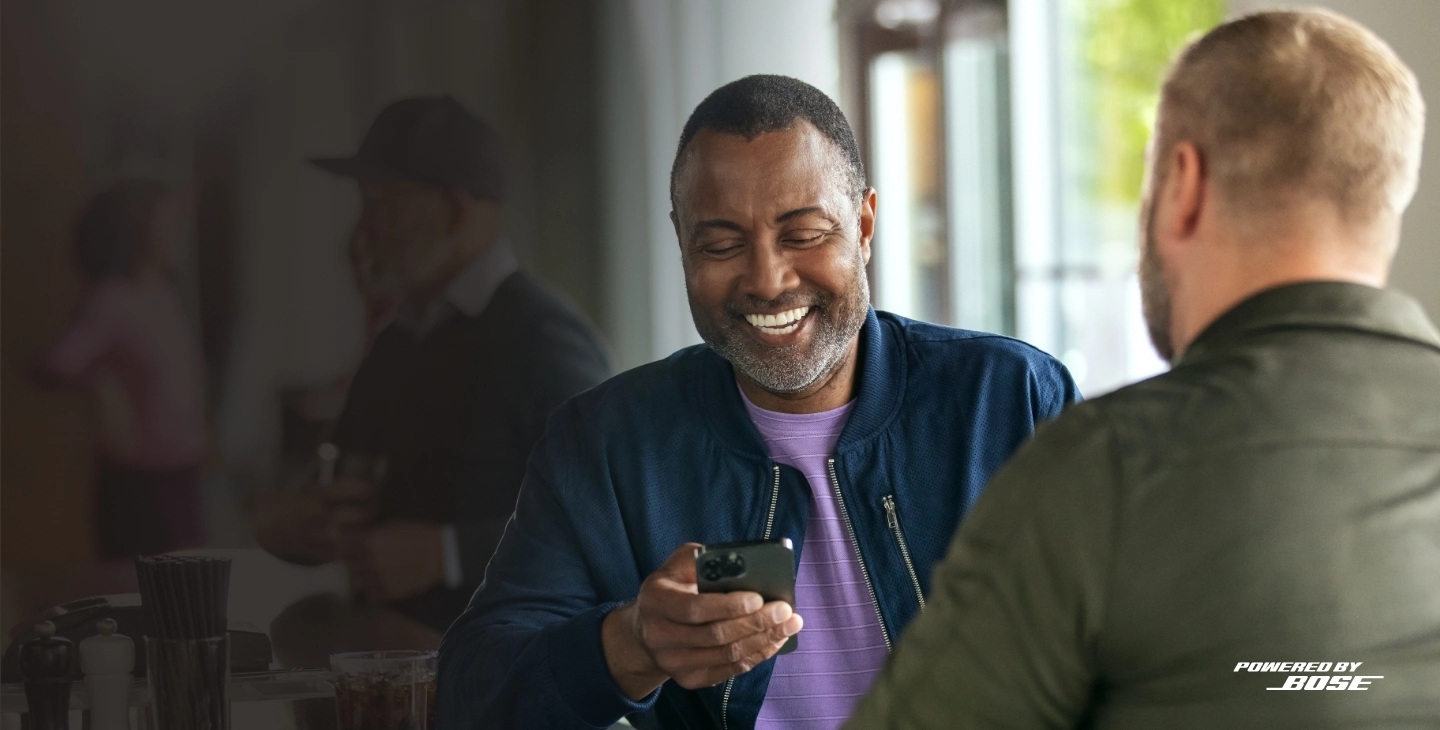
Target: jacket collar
880 384
1319 305
467 294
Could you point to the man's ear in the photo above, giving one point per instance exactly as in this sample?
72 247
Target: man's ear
1182 198
868 201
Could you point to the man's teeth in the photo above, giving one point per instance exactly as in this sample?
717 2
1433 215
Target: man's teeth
779 324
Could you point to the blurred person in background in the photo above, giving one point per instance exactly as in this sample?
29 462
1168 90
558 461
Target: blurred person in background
471 356
132 347
309 415
861 436
1275 497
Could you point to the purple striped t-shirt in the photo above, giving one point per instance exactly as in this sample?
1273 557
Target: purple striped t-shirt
842 647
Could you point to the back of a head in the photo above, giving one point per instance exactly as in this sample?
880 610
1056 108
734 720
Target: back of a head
762 103
1298 105
112 235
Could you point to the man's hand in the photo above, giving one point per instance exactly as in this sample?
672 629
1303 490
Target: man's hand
306 526
295 527
394 560
672 631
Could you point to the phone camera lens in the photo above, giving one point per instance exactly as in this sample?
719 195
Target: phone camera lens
712 569
734 565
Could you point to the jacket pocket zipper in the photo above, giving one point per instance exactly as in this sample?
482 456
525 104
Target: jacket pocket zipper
769 524
864 571
894 521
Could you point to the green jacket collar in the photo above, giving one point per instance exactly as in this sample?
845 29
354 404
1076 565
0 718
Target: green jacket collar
1319 305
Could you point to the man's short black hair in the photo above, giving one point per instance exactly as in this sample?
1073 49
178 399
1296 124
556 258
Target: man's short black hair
764 103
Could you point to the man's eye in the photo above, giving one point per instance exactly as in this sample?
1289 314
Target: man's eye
801 238
724 248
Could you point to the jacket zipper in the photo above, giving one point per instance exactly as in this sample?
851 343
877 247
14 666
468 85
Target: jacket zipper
864 571
894 521
725 704
774 498
769 524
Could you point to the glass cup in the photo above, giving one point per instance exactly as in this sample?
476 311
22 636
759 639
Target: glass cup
189 682
385 690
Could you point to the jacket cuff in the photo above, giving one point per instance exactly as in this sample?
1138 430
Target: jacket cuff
583 677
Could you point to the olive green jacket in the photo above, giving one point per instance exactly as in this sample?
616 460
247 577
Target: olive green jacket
1273 498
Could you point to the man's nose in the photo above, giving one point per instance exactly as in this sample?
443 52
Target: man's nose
770 273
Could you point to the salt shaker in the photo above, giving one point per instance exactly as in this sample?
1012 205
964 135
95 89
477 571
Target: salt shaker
107 660
46 663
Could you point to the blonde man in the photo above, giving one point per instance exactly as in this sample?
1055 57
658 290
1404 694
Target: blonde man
1253 539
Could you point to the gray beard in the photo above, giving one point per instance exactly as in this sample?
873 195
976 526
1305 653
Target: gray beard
792 369
787 370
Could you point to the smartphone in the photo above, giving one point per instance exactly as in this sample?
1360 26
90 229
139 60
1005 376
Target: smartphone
766 567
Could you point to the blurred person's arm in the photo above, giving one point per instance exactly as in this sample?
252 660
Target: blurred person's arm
305 526
319 523
528 651
395 559
84 341
1009 636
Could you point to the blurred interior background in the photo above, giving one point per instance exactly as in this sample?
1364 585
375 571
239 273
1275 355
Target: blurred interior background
1004 138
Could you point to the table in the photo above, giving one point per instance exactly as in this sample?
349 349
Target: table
304 689
275 688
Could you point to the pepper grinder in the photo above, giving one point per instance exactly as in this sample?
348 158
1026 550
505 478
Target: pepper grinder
46 663
107 660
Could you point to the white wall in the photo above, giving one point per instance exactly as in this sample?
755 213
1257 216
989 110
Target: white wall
1410 27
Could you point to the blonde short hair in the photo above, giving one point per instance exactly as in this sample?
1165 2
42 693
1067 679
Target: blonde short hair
1297 104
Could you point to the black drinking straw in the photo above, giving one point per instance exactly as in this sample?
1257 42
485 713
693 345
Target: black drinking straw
225 569
222 595
207 596
190 592
184 597
172 597
176 628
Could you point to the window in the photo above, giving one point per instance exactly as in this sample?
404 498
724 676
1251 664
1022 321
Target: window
1006 141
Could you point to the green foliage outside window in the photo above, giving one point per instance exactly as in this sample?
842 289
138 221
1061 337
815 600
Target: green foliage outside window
1127 46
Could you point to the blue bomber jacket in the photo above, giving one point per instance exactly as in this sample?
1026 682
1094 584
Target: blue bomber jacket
666 454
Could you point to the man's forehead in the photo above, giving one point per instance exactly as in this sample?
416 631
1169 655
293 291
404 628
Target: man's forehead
788 168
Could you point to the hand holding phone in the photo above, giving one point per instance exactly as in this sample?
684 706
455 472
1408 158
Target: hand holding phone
766 567
674 631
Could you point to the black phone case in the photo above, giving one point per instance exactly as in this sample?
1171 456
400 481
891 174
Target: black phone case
769 569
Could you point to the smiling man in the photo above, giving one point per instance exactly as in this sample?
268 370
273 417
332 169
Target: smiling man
861 436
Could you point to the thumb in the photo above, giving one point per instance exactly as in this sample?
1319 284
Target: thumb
680 566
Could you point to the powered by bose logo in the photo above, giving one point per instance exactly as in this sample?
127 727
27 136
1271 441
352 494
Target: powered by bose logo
1312 682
